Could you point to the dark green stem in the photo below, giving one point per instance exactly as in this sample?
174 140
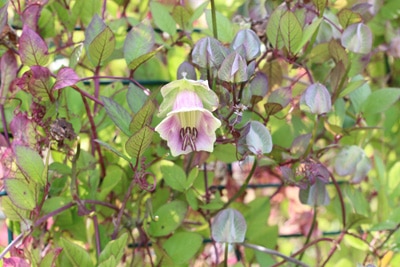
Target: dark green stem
214 19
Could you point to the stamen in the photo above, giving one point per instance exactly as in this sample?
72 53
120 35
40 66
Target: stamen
188 136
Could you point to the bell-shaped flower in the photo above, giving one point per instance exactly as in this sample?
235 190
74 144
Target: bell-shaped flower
189 126
170 91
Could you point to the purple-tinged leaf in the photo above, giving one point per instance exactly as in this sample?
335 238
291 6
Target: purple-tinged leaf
300 144
233 69
209 53
32 48
95 27
39 83
65 77
259 85
315 195
316 99
3 15
352 161
15 261
281 96
31 14
9 68
229 226
186 70
247 40
23 131
357 38
256 139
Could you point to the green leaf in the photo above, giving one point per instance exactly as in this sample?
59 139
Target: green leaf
114 248
110 262
77 255
380 100
191 199
118 114
177 246
31 164
99 41
20 193
225 153
224 26
111 180
170 217
32 48
182 16
320 5
291 30
112 149
102 47
174 176
162 18
143 58
353 85
273 28
138 42
354 220
135 97
11 211
137 143
347 17
308 33
229 226
143 116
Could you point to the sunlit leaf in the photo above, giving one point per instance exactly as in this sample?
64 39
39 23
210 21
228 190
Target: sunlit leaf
32 48
308 32
162 18
357 38
137 143
228 226
118 114
143 116
138 43
31 164
143 58
20 193
170 217
380 100
77 255
13 212
114 248
224 26
99 42
348 17
273 28
320 5
291 30
174 176
177 246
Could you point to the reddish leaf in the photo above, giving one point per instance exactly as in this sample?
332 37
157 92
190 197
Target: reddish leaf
65 77
30 16
9 68
15 262
3 16
32 48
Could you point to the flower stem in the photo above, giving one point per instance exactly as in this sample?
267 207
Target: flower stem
214 19
226 255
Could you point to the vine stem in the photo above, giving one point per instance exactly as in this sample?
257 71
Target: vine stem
11 245
95 145
214 19
275 253
96 81
121 211
310 231
243 187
